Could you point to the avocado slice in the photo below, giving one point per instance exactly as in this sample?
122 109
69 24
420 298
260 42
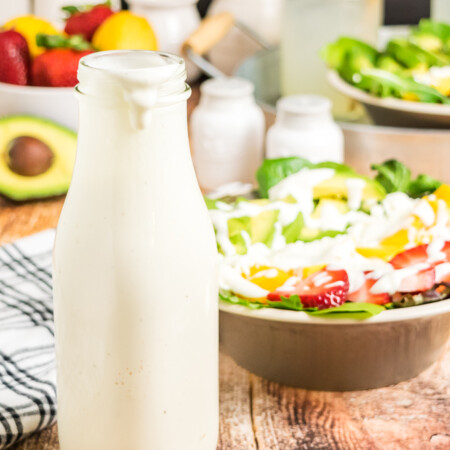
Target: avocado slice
263 226
336 187
55 179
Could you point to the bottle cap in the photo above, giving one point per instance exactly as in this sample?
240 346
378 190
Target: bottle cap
304 105
231 87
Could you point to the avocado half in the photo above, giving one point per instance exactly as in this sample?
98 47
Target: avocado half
56 179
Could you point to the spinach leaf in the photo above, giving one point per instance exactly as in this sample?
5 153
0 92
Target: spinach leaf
423 185
393 176
228 297
358 311
396 177
273 171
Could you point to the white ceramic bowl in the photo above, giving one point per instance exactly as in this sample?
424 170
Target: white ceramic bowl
296 349
57 104
393 111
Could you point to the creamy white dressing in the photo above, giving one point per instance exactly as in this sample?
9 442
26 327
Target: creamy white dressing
301 185
233 280
425 213
135 268
391 280
234 189
355 188
434 250
433 76
442 270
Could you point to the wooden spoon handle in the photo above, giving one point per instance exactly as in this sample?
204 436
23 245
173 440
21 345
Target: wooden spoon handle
210 32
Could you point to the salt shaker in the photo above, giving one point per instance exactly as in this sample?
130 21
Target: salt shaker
304 127
227 133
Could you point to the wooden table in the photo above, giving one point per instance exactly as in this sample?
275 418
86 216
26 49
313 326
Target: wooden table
258 414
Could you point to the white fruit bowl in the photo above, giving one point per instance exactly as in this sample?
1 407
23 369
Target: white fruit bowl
57 104
293 348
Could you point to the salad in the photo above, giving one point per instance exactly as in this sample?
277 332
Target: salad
326 240
415 68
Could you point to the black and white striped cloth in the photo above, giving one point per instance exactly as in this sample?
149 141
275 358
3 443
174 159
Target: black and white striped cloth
27 360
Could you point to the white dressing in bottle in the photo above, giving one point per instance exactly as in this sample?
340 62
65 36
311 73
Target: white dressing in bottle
135 268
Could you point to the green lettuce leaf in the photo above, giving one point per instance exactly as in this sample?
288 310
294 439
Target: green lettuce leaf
273 171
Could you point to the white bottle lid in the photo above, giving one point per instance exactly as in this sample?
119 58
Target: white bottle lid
304 105
232 87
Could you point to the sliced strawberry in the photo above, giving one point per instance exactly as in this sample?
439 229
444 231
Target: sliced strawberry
410 257
446 250
418 282
363 294
323 289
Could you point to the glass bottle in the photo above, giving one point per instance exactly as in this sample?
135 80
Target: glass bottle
135 268
308 25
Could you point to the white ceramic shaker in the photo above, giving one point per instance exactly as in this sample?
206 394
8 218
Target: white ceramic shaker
173 22
305 127
227 133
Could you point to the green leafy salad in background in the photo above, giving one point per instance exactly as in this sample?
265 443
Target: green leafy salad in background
415 68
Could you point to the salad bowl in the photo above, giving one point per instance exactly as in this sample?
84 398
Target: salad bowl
392 111
332 280
293 348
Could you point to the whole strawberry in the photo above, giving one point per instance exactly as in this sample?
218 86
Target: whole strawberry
86 22
57 67
14 58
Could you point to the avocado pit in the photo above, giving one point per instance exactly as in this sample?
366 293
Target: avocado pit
28 156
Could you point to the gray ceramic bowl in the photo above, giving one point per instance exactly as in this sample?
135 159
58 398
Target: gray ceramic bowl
296 349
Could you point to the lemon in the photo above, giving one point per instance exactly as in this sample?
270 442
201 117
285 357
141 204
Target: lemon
125 31
29 26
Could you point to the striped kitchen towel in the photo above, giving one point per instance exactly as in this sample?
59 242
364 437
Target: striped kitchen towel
27 360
